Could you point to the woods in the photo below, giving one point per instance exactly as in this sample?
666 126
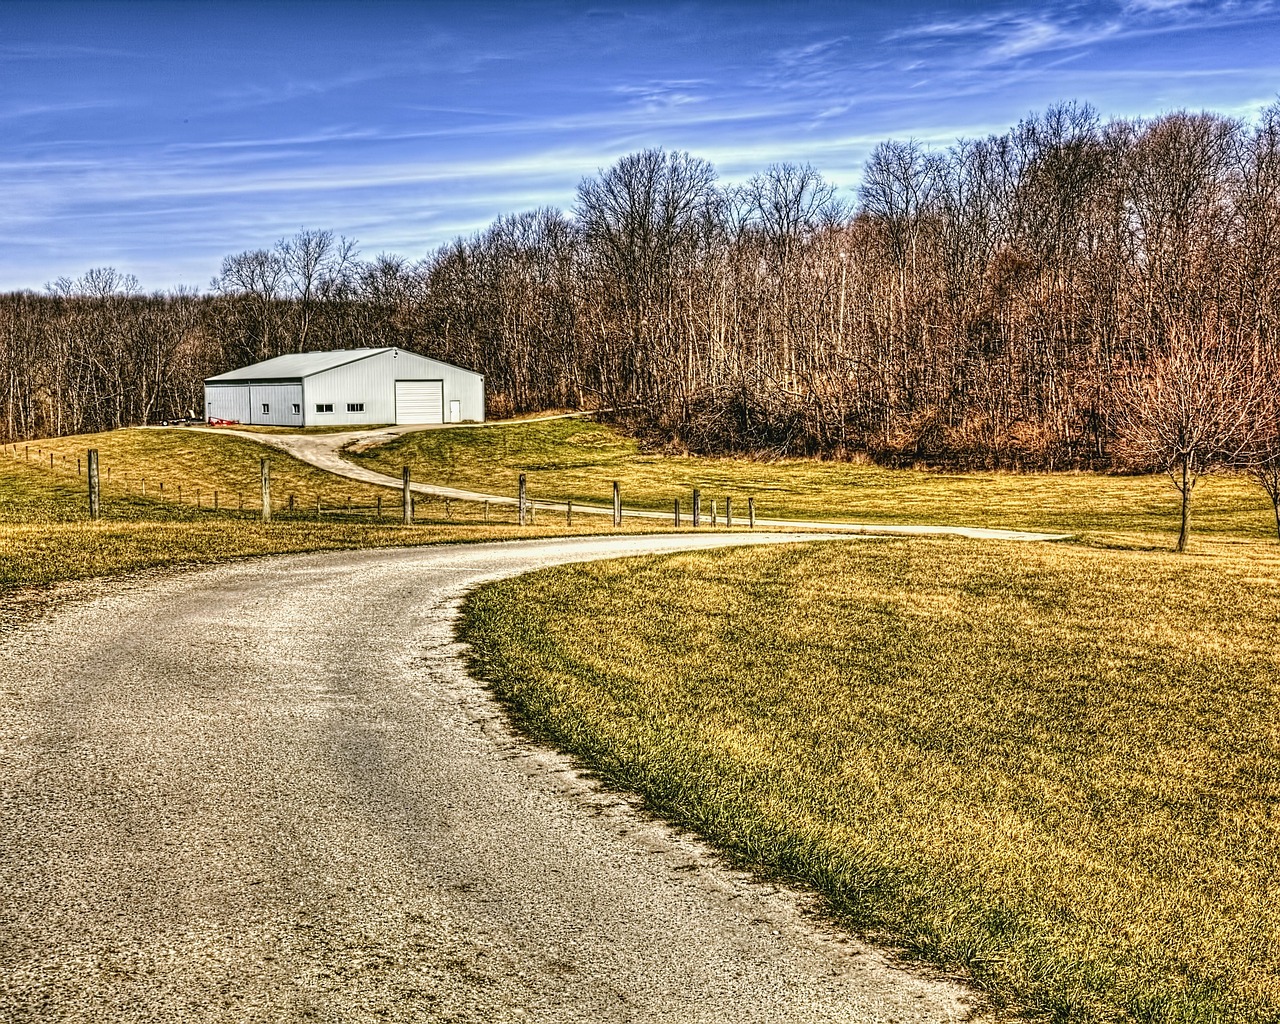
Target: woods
1001 303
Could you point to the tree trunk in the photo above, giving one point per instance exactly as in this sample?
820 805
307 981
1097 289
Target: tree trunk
1185 488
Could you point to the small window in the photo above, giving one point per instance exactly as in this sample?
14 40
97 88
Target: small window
297 409
324 407
355 407
266 408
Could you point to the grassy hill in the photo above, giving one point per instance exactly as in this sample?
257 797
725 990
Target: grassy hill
1054 768
159 491
579 459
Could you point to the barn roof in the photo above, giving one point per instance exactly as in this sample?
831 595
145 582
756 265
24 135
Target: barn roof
295 365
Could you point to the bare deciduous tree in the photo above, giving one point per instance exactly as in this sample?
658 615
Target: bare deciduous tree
1188 410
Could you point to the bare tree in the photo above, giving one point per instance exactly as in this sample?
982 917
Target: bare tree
1187 411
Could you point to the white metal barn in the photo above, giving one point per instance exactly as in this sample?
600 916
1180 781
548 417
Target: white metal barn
352 386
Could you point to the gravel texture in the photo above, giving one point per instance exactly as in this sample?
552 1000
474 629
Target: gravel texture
268 791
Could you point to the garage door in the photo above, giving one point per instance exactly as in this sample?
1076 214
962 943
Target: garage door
419 401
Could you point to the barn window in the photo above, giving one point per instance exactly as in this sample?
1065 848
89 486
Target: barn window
297 409
324 407
355 407
266 408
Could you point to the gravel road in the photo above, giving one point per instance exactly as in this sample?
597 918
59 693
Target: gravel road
268 791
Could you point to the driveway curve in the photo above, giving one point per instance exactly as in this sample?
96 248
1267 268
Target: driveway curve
268 791
325 452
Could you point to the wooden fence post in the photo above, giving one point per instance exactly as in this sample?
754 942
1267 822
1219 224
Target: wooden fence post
521 499
676 511
697 507
407 496
266 491
728 511
379 504
568 512
95 496
713 511
617 505
751 512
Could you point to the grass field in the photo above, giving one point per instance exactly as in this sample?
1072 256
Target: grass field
579 459
1057 767
46 536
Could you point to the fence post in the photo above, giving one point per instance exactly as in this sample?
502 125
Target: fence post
379 504
486 511
407 496
713 511
266 491
697 507
317 508
215 501
676 510
78 472
568 512
751 512
728 511
95 496
521 499
617 505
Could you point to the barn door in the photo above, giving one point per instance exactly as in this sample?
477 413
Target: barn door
419 401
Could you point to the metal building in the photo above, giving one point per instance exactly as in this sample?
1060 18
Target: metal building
351 386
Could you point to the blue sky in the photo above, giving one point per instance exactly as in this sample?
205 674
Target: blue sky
158 137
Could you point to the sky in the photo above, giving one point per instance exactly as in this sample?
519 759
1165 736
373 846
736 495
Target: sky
158 137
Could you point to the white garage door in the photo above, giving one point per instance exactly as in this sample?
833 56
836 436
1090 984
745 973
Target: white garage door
419 401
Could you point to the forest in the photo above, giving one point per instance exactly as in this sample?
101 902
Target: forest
1075 292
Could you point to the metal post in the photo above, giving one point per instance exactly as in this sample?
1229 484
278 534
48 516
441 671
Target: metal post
676 510
568 512
751 512
407 496
697 507
521 499
95 497
266 491
617 505
713 511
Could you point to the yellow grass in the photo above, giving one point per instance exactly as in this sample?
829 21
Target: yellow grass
1057 767
578 459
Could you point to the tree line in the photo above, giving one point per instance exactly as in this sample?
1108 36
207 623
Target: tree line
1002 303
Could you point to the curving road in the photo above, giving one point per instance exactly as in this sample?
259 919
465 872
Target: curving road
268 791
325 452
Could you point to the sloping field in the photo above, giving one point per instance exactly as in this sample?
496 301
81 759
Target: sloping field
1055 767
159 491
578 459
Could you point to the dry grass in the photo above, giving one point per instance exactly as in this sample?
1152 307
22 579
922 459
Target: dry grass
1057 767
579 460
46 536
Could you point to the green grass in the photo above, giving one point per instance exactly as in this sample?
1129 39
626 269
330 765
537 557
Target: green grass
1056 767
579 460
46 536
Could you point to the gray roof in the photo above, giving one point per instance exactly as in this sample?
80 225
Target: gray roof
295 365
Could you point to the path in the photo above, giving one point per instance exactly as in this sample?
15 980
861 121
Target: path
268 791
